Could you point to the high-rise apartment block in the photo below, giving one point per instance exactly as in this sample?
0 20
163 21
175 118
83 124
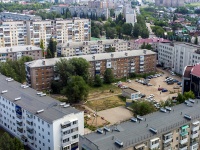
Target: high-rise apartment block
175 128
170 3
14 33
37 120
91 47
40 73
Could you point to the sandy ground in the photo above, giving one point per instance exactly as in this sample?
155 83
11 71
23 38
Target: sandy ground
116 115
156 82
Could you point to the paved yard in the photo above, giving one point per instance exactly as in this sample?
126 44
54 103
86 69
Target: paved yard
156 82
115 115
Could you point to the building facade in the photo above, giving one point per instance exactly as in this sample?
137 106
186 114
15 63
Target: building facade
43 126
178 55
16 52
15 33
40 73
170 3
191 79
174 128
91 47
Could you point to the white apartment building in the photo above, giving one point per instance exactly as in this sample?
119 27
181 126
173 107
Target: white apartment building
37 120
91 47
178 55
14 33
16 52
18 17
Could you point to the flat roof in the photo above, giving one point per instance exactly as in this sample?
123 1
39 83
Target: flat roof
32 102
129 90
135 133
92 57
19 49
90 43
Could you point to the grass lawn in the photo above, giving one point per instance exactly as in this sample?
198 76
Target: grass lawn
103 91
193 4
105 103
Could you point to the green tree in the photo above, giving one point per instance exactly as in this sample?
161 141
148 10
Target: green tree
81 67
136 30
51 50
56 87
110 33
42 46
188 95
76 89
95 32
127 28
98 81
110 49
8 143
142 108
146 46
180 98
196 40
108 76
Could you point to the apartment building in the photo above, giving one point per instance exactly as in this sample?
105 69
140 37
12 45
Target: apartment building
191 79
178 55
16 52
174 128
91 47
40 73
4 16
14 33
39 121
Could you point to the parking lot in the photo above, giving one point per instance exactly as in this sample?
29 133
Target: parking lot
156 83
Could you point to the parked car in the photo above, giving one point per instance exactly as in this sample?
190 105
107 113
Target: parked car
142 95
164 90
149 84
170 82
129 81
160 89
179 83
175 81
151 95
136 80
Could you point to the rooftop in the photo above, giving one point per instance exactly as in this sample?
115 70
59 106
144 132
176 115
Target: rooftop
151 40
19 49
89 43
129 90
133 133
92 57
32 102
196 70
187 71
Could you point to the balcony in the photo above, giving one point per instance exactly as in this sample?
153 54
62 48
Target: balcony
30 139
183 148
183 141
194 135
19 124
97 68
29 124
20 130
195 128
141 62
154 143
56 78
30 131
18 118
154 146
132 64
194 146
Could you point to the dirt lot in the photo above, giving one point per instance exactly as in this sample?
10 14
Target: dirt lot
116 115
147 90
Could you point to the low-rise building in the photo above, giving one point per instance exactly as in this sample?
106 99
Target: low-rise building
178 55
154 41
131 93
174 128
40 73
191 79
16 52
39 121
91 47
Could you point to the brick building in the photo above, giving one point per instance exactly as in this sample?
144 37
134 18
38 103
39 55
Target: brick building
40 73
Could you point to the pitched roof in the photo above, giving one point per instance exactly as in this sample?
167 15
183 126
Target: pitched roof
187 71
196 70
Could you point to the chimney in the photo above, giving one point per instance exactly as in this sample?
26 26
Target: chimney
43 62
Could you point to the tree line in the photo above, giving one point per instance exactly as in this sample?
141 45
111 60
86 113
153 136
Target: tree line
15 69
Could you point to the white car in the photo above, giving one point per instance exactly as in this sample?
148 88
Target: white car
151 95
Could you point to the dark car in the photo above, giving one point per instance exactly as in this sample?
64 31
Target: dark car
175 81
142 95
178 83
164 90
170 82
160 89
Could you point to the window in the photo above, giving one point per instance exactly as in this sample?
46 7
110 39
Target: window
48 140
66 140
48 133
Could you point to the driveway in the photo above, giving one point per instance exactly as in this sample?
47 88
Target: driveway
116 115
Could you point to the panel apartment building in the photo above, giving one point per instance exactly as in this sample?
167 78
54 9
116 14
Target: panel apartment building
91 47
175 128
14 33
16 52
178 55
39 121
40 73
